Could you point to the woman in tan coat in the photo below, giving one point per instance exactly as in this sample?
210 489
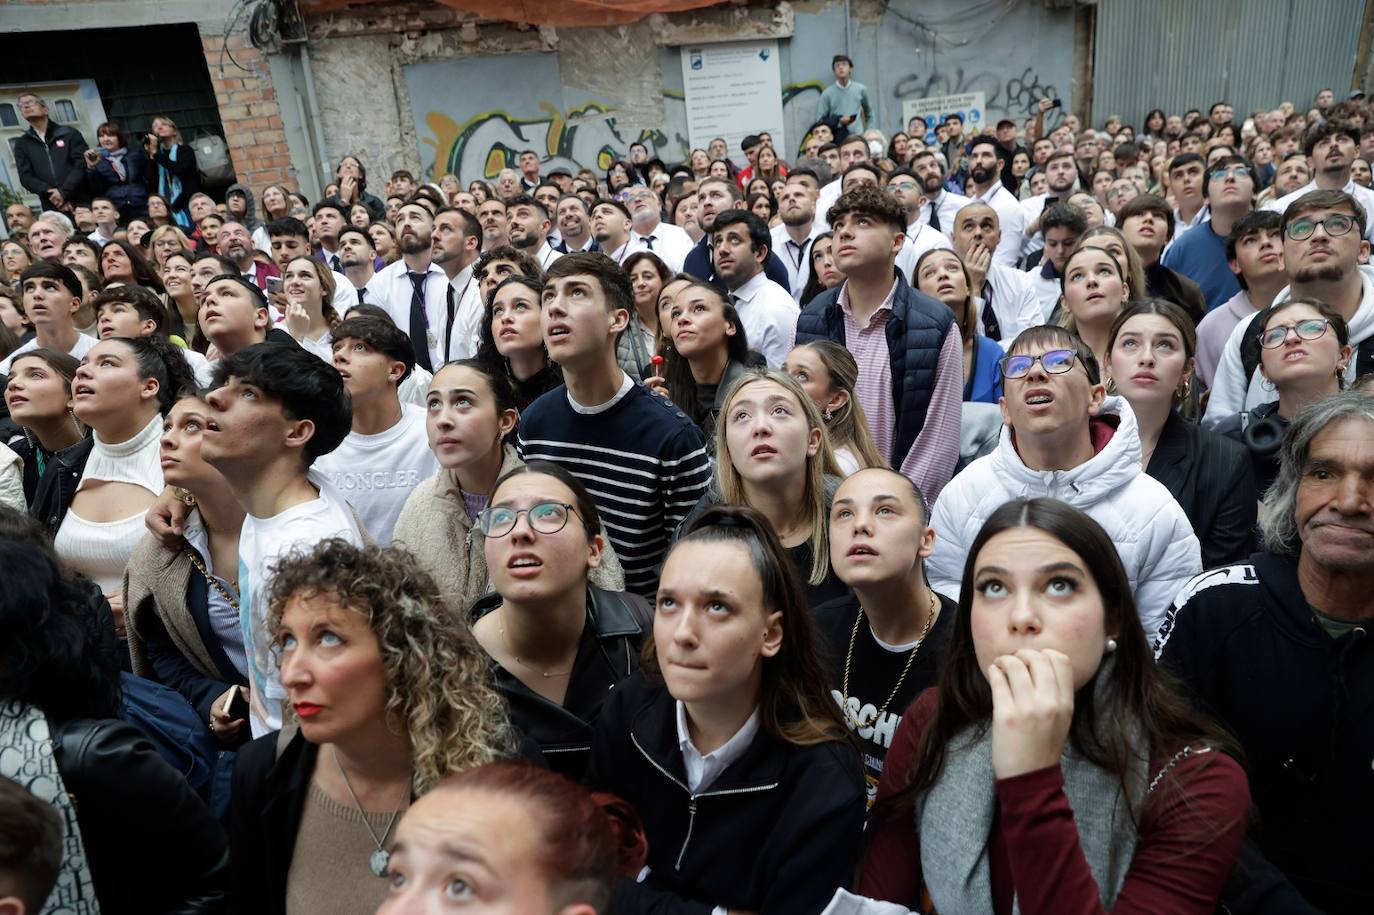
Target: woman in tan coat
470 416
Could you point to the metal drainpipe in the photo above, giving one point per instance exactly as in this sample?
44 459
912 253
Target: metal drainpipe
322 168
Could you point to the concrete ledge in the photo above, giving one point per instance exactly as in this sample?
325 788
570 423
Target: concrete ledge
110 14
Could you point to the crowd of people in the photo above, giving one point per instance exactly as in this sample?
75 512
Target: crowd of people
874 527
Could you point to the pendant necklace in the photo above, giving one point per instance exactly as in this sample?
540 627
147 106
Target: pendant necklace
380 859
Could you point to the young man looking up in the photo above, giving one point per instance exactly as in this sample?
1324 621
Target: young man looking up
611 229
234 315
767 310
355 254
457 239
386 453
844 101
907 345
642 460
1187 180
793 237
136 311
887 638
715 196
1064 439
51 295
1200 254
1061 175
1061 226
1254 252
1330 148
330 219
1148 224
529 228
274 412
106 221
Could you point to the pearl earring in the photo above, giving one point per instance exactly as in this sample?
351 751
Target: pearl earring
1111 645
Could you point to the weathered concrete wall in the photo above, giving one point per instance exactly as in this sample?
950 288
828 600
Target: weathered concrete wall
425 94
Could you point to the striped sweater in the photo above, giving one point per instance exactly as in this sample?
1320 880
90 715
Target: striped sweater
642 460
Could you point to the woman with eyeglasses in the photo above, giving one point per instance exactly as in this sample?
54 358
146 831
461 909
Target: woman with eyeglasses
1151 363
557 643
1304 350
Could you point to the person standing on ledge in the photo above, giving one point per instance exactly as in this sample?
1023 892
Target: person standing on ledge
844 100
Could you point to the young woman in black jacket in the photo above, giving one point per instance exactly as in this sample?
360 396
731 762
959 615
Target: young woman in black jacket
729 745
56 444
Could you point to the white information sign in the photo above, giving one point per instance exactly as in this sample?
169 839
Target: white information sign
732 89
969 106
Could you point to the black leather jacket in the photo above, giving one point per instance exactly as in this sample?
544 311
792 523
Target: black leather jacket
151 843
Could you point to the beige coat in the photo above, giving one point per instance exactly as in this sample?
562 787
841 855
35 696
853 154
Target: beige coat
155 582
435 527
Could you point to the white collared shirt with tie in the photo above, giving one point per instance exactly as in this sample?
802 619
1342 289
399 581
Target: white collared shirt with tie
1010 218
769 315
947 206
467 315
795 256
394 286
671 243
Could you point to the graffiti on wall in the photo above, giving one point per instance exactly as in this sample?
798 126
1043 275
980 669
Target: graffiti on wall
1005 96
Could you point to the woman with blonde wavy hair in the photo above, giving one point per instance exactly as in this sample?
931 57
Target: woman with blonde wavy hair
390 693
773 455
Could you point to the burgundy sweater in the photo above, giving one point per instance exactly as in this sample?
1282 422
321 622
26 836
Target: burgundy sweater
1187 843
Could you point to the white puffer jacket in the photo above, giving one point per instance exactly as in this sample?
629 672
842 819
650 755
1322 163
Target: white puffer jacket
1152 535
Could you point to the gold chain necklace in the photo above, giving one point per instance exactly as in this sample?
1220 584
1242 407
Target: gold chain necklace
214 582
911 656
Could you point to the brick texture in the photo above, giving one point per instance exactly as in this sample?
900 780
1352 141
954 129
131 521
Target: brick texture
249 110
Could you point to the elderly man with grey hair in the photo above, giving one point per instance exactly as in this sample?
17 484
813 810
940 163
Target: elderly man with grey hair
1279 649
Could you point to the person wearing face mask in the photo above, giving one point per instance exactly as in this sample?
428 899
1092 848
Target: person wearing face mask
1054 768
558 644
374 725
1064 438
1150 362
547 846
729 739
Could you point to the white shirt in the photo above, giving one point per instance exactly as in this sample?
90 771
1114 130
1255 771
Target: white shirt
824 201
702 771
1047 290
262 543
948 205
1033 208
1012 220
925 239
1361 193
394 287
376 473
769 315
1014 302
346 294
467 314
200 367
81 347
671 243
796 258
546 255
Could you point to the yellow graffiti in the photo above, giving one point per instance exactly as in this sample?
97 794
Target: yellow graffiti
555 132
446 133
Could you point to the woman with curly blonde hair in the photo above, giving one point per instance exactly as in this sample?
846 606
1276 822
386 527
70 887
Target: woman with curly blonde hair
390 693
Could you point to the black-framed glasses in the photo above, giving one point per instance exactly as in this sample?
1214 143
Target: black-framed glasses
1310 329
543 517
1055 362
1334 223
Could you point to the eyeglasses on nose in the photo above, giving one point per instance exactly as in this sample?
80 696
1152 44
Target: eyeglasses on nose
543 517
1310 329
1336 224
1055 362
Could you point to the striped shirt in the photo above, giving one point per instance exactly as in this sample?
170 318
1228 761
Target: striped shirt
642 460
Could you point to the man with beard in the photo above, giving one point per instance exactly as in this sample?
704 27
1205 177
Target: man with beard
941 205
611 229
491 214
574 225
1061 174
236 244
529 228
1323 246
1331 148
355 253
715 196
415 290
330 220
797 207
985 184
457 239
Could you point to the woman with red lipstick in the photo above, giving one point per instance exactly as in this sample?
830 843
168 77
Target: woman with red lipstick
1304 348
469 416
729 744
1094 292
557 642
183 604
390 694
709 352
772 455
56 445
1150 362
940 273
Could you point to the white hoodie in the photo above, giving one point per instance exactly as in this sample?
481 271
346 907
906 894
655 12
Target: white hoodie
1152 534
1230 392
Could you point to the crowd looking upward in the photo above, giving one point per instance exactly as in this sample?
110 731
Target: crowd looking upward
885 524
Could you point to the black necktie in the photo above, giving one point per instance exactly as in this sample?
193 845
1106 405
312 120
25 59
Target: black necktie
419 324
361 293
990 326
649 240
334 262
934 216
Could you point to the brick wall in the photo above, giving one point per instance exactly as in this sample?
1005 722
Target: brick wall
249 110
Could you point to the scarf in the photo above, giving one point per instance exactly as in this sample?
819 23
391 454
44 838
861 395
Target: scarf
29 762
117 162
169 188
954 819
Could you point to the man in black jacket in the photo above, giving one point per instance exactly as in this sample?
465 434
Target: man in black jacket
49 157
1278 649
